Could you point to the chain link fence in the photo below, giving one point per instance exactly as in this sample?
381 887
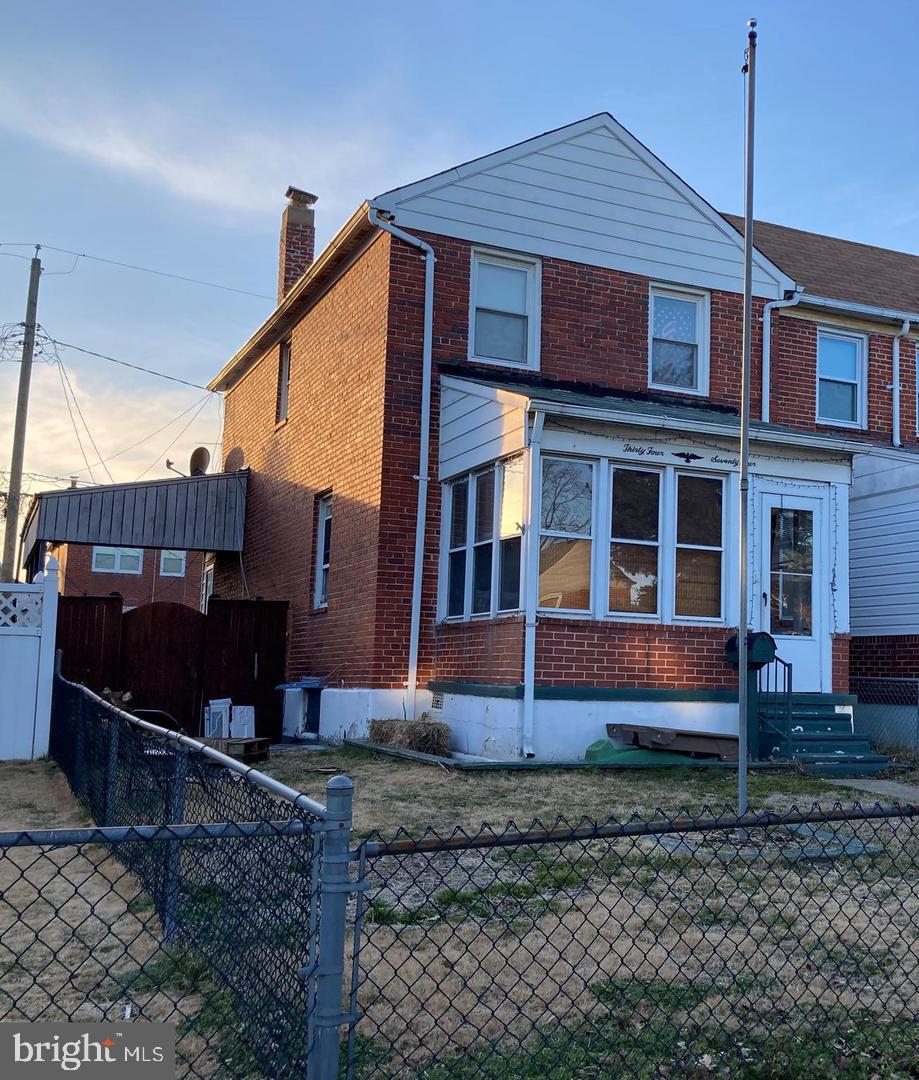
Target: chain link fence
888 712
755 947
211 896
195 901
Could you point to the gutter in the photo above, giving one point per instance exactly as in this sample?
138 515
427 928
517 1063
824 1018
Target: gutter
767 347
424 448
531 590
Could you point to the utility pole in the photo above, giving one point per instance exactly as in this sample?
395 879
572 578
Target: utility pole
743 742
11 535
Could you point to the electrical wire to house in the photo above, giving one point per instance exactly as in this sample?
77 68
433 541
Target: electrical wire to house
124 363
73 422
173 441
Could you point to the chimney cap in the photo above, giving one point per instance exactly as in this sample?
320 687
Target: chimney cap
298 197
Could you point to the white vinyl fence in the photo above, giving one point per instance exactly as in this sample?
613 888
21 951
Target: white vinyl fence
28 618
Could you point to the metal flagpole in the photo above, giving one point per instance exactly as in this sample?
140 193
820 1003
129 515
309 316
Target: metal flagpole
743 747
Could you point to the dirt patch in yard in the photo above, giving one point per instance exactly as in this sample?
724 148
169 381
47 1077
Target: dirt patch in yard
390 793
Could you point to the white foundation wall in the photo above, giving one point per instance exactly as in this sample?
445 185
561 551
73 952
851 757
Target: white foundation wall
491 727
346 714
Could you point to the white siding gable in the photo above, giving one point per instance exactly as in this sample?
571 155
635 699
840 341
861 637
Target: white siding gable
478 424
590 193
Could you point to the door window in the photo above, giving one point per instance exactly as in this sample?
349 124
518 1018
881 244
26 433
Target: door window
792 572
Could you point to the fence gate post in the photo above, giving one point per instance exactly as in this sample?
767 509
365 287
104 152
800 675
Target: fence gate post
172 866
333 891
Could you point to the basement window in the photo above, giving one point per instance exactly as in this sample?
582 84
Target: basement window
117 560
504 310
484 515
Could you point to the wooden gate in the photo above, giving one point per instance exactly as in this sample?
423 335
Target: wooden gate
174 658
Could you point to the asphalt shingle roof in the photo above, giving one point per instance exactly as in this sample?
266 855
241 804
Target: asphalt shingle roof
839 269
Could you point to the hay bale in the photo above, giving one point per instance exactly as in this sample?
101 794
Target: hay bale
423 735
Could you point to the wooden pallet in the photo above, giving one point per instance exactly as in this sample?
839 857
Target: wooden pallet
247 750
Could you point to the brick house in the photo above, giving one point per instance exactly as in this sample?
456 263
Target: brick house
138 575
492 436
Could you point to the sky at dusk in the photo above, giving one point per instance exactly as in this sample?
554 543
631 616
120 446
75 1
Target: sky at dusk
165 135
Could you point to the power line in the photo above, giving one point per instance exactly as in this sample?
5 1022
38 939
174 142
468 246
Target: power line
124 363
168 447
83 418
141 269
73 421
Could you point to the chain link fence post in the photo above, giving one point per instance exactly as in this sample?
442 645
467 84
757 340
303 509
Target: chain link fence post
111 770
333 892
175 815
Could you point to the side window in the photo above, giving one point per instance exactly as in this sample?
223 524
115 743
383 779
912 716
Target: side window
117 560
172 563
483 541
283 381
840 378
504 310
323 550
678 352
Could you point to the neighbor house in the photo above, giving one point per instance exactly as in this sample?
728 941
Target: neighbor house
492 435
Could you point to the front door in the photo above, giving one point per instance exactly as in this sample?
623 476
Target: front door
792 587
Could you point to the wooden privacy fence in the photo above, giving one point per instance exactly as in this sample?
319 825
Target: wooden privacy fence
174 658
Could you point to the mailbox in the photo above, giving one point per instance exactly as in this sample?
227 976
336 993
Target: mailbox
760 650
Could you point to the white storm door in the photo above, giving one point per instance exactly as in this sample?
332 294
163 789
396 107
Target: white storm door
792 585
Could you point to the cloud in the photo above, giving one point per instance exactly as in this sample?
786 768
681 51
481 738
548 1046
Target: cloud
203 151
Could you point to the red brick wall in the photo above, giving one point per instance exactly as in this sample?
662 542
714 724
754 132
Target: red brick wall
885 657
841 655
77 578
332 440
579 653
489 651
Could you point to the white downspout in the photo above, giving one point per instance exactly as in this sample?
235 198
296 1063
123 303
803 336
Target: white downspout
531 589
767 346
895 381
424 449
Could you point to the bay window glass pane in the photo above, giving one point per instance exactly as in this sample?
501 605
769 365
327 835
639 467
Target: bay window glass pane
567 490
484 505
838 358
635 504
698 583
673 364
633 578
838 401
674 319
699 511
564 573
509 574
456 585
458 517
501 336
481 578
501 287
511 515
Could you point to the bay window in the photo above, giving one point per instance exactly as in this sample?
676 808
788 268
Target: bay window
634 561
484 526
699 543
566 534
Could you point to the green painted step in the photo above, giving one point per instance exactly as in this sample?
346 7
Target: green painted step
817 744
837 725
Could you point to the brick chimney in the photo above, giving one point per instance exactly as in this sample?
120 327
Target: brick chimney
298 238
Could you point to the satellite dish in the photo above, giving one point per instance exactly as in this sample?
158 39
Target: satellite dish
200 459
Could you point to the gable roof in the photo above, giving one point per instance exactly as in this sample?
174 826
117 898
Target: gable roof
592 193
839 269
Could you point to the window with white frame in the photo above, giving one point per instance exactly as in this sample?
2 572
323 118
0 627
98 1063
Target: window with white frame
323 550
484 512
504 310
566 529
840 378
283 381
664 554
118 560
678 353
172 563
207 586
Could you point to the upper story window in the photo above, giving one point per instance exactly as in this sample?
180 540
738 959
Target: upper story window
117 560
841 378
323 550
172 563
504 310
283 381
484 512
678 353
